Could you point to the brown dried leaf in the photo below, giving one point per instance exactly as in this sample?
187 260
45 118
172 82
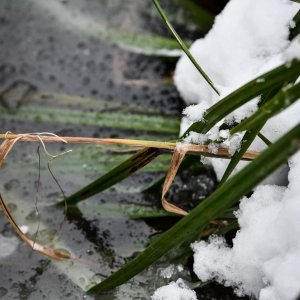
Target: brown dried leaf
5 148
178 156
52 253
169 146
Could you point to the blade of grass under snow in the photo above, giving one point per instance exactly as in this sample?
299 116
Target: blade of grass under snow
250 136
209 209
247 140
282 100
254 88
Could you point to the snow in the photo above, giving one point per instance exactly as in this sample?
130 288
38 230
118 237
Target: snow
235 143
195 112
265 258
196 138
24 228
171 270
168 272
216 138
245 42
294 49
240 46
174 291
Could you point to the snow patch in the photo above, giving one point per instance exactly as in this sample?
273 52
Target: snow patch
293 50
174 291
265 258
243 43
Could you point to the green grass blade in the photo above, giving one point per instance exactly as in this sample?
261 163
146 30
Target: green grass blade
131 165
247 140
282 100
254 88
264 139
249 137
143 122
119 211
145 43
223 198
183 46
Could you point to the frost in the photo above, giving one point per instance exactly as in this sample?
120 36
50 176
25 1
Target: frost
174 291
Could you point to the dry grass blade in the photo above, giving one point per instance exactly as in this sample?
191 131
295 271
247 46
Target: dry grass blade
50 252
5 148
169 146
177 158
179 150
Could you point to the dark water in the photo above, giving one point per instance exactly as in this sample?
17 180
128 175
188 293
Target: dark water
68 67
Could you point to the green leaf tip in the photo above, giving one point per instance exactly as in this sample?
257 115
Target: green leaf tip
183 46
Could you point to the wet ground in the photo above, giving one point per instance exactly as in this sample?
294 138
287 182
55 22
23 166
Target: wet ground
88 68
